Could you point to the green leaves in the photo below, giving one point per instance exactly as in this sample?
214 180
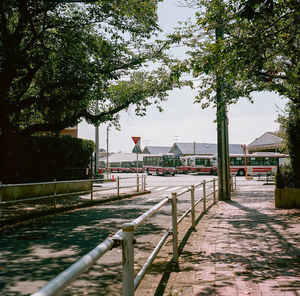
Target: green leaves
57 58
255 52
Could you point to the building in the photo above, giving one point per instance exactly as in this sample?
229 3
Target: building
156 150
70 131
202 149
268 142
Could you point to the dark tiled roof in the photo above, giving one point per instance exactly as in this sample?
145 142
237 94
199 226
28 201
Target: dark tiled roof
156 149
266 139
202 148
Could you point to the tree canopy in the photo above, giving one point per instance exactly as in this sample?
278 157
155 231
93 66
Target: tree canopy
259 49
240 46
57 59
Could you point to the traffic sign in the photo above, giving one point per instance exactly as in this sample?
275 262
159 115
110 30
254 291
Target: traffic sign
137 149
136 140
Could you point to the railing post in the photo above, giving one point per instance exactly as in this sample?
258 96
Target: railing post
145 177
204 196
137 183
193 205
128 259
118 186
174 228
235 181
54 192
92 184
231 183
214 189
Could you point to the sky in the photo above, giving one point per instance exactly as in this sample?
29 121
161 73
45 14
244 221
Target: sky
182 120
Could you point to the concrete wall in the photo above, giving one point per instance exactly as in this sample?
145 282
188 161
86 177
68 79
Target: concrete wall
287 198
43 189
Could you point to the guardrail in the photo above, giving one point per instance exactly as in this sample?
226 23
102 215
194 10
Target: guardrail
269 177
94 184
125 237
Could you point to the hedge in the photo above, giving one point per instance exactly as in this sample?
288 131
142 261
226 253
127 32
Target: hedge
44 158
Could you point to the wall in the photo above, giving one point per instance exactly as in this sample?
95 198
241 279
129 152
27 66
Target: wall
42 189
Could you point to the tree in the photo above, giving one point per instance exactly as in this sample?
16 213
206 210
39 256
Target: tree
259 50
57 59
290 132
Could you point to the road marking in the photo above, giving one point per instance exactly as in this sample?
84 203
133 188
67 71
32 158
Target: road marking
160 188
173 189
157 198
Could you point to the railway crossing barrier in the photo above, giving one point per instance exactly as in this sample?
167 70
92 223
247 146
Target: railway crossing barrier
125 238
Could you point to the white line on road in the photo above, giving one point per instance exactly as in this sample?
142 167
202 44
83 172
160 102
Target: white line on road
160 188
173 189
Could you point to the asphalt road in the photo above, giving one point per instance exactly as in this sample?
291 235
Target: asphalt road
33 254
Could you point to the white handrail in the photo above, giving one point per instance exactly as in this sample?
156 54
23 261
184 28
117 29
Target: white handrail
126 235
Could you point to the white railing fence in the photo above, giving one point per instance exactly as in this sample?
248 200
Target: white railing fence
125 237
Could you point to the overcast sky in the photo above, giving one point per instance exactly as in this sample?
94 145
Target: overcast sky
184 121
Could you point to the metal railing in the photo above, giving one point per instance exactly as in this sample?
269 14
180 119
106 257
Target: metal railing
268 177
94 184
126 237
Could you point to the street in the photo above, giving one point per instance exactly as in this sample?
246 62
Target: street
33 254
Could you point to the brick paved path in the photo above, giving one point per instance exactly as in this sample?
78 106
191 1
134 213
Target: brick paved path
241 247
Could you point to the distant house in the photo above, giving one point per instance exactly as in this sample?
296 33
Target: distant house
202 148
156 150
268 142
70 131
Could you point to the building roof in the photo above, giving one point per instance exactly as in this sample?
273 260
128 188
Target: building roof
202 148
156 150
266 139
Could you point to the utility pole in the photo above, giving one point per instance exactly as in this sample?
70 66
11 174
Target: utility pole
222 132
107 131
97 143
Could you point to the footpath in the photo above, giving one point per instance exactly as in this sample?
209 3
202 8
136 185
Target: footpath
240 247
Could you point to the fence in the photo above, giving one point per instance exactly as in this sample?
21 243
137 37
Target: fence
52 187
125 237
269 178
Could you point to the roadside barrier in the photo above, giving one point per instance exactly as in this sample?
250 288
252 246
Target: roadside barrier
94 185
269 178
125 238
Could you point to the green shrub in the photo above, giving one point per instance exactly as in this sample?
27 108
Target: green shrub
285 177
44 158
